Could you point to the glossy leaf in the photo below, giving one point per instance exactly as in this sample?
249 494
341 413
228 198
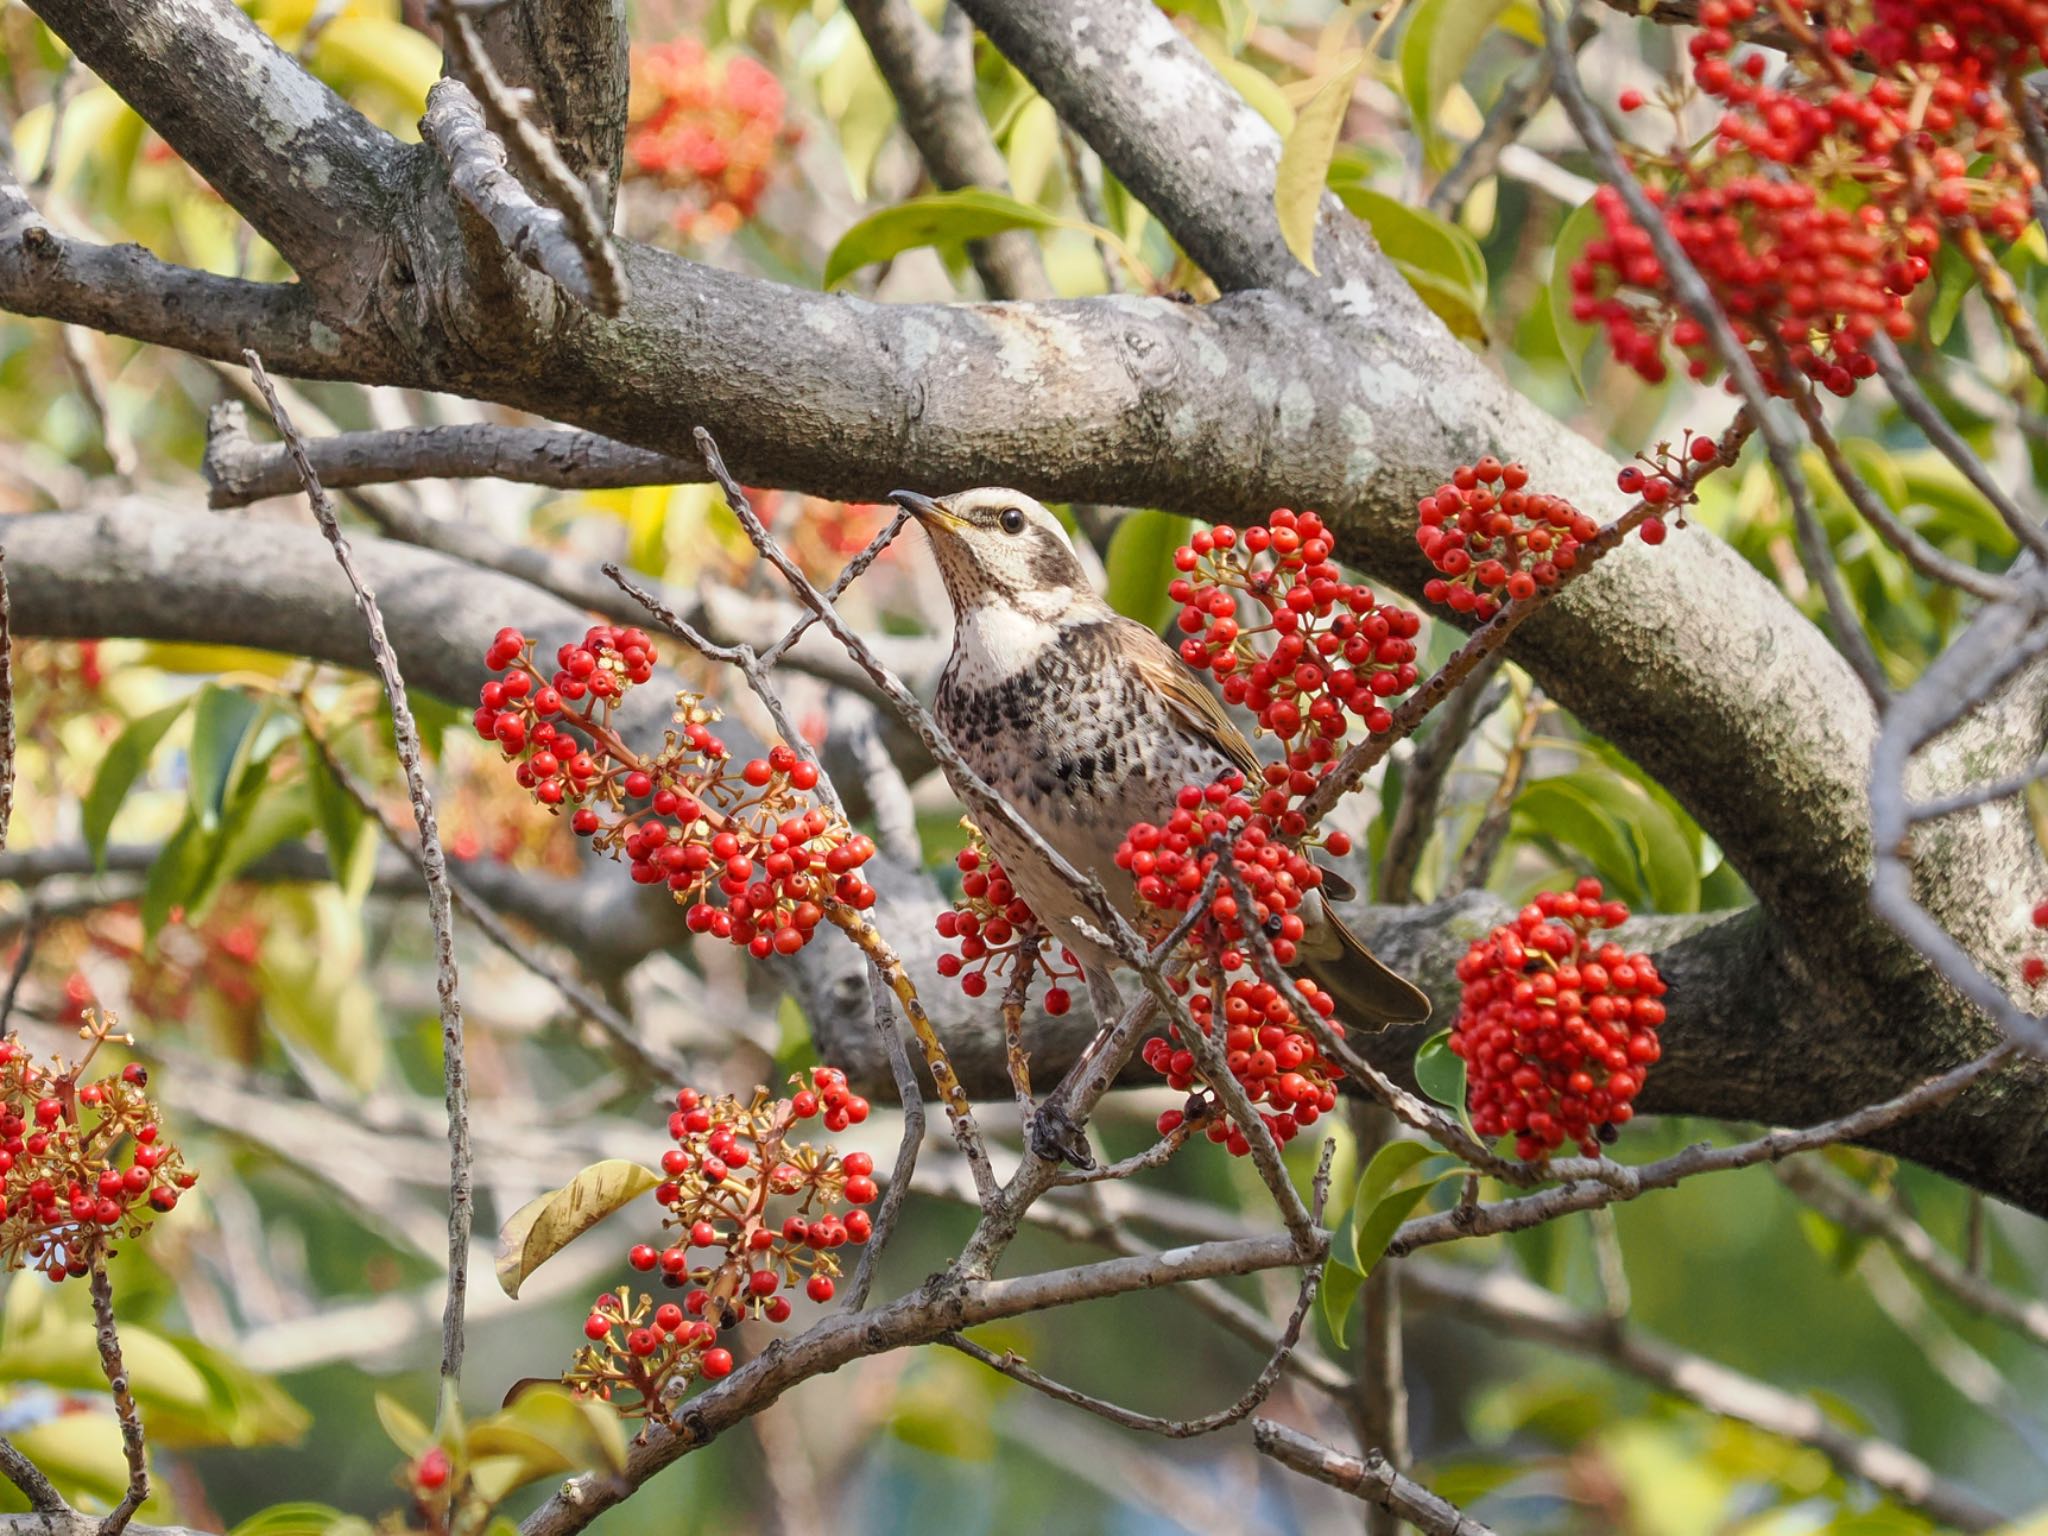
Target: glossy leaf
300 1518
1140 566
1440 261
224 722
548 1223
1305 160
124 763
1440 1073
1341 1284
941 218
408 1431
1575 338
1441 38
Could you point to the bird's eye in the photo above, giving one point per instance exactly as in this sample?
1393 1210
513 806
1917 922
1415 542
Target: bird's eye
1012 519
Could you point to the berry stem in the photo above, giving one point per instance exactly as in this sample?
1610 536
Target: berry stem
868 939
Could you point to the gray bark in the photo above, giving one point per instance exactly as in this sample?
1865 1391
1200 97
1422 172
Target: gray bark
1338 391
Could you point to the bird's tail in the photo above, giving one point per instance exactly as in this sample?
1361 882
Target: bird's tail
1369 995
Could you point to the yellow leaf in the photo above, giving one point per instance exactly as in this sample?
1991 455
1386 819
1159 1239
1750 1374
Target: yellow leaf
547 1224
1305 161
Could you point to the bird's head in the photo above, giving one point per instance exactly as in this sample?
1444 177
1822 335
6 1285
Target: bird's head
998 546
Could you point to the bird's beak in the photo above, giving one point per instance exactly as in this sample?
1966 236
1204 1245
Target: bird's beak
927 511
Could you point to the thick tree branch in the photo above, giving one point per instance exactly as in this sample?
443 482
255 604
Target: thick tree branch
240 470
571 247
125 290
300 164
571 55
931 75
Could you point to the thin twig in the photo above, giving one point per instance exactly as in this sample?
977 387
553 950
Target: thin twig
1847 1206
1588 1183
31 934
27 1477
132 1443
911 1098
1907 394
1429 769
1698 300
1090 202
1177 1429
616 1026
1916 551
1520 100
1508 1304
1370 1479
433 867
1476 862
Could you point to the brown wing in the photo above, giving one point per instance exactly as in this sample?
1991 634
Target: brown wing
1369 994
1193 705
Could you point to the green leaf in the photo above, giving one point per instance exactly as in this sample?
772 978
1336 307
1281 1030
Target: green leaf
1385 1171
223 723
294 1519
1441 38
554 1431
942 218
1440 1072
1439 260
1568 816
1305 160
335 813
546 1224
408 1431
119 769
1377 1229
1575 338
1140 565
176 871
1339 1294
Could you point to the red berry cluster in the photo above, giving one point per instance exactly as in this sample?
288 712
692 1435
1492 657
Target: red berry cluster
743 847
711 132
2034 968
766 1216
1266 1046
1556 1033
993 928
1333 650
1494 539
1816 208
81 1163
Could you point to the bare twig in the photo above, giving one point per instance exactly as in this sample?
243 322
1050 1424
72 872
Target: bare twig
1923 413
132 1444
1520 100
433 868
1847 1206
1476 861
1176 1429
1698 300
569 243
616 1026
1587 1183
240 470
1916 551
1370 1479
1509 1304
911 1098
28 1479
31 933
1422 787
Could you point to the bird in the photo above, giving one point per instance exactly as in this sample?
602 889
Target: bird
1087 723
